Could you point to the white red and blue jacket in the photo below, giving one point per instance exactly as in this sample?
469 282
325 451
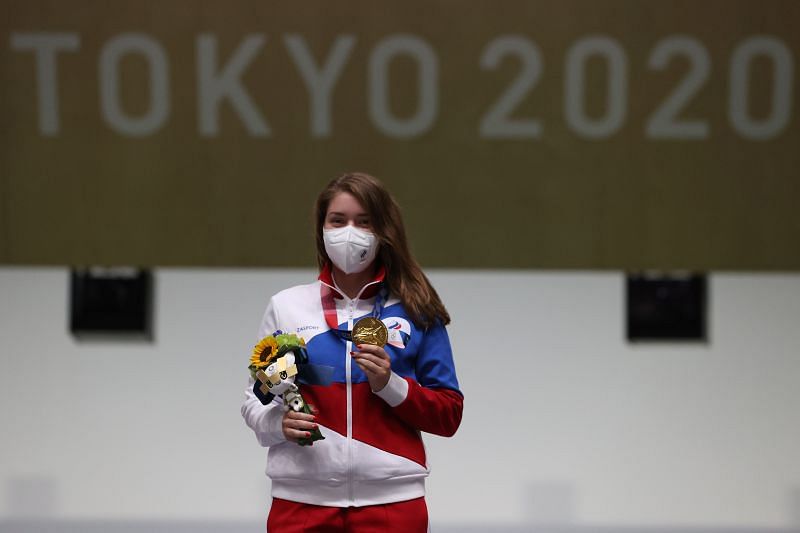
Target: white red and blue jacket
372 452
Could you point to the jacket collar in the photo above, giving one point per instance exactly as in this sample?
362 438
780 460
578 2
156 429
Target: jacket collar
368 291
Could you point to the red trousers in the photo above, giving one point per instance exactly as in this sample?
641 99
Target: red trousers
402 517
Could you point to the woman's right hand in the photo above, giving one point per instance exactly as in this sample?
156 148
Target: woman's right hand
297 425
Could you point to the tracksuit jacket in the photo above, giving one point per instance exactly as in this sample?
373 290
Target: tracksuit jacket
372 452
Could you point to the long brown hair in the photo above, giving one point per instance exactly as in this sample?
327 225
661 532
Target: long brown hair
404 276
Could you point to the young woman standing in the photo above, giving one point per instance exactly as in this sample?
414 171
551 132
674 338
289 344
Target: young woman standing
368 474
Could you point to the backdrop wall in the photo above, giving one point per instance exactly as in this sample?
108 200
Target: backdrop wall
564 422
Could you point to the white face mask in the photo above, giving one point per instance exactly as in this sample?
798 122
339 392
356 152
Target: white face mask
350 249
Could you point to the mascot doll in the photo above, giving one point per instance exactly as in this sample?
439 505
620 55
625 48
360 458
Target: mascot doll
278 361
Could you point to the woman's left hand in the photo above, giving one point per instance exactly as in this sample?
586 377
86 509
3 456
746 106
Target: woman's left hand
375 363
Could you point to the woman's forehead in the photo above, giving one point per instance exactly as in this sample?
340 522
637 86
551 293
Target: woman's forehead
346 203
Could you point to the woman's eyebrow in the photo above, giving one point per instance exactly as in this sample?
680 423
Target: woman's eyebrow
337 213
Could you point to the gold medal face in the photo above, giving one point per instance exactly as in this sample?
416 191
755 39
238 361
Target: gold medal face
370 330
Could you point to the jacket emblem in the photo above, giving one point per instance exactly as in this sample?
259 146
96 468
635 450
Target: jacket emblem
399 331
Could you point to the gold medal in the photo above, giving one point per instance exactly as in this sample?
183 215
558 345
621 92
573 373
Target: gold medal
370 330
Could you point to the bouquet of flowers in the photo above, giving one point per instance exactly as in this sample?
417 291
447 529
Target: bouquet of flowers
274 367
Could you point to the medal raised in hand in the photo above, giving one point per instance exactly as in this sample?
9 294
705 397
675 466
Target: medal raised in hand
370 330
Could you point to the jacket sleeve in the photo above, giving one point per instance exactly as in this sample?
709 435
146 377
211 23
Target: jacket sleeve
265 420
433 402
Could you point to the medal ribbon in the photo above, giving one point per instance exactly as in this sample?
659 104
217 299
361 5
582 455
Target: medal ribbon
331 317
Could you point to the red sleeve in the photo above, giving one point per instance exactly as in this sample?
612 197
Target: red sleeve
436 411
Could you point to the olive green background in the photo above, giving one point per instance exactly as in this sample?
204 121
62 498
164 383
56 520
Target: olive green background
92 196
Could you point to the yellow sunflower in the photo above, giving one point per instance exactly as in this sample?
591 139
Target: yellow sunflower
264 352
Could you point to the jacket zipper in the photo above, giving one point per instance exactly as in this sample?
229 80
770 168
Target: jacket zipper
348 374
351 304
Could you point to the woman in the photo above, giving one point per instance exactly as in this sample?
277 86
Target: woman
368 474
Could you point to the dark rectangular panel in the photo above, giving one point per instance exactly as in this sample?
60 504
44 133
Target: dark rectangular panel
664 307
111 301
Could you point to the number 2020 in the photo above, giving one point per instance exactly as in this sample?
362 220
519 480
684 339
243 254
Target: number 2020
664 122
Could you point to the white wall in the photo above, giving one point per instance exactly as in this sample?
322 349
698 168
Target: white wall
564 421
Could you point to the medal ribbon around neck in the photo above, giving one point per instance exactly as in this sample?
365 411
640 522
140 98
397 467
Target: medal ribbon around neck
370 324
